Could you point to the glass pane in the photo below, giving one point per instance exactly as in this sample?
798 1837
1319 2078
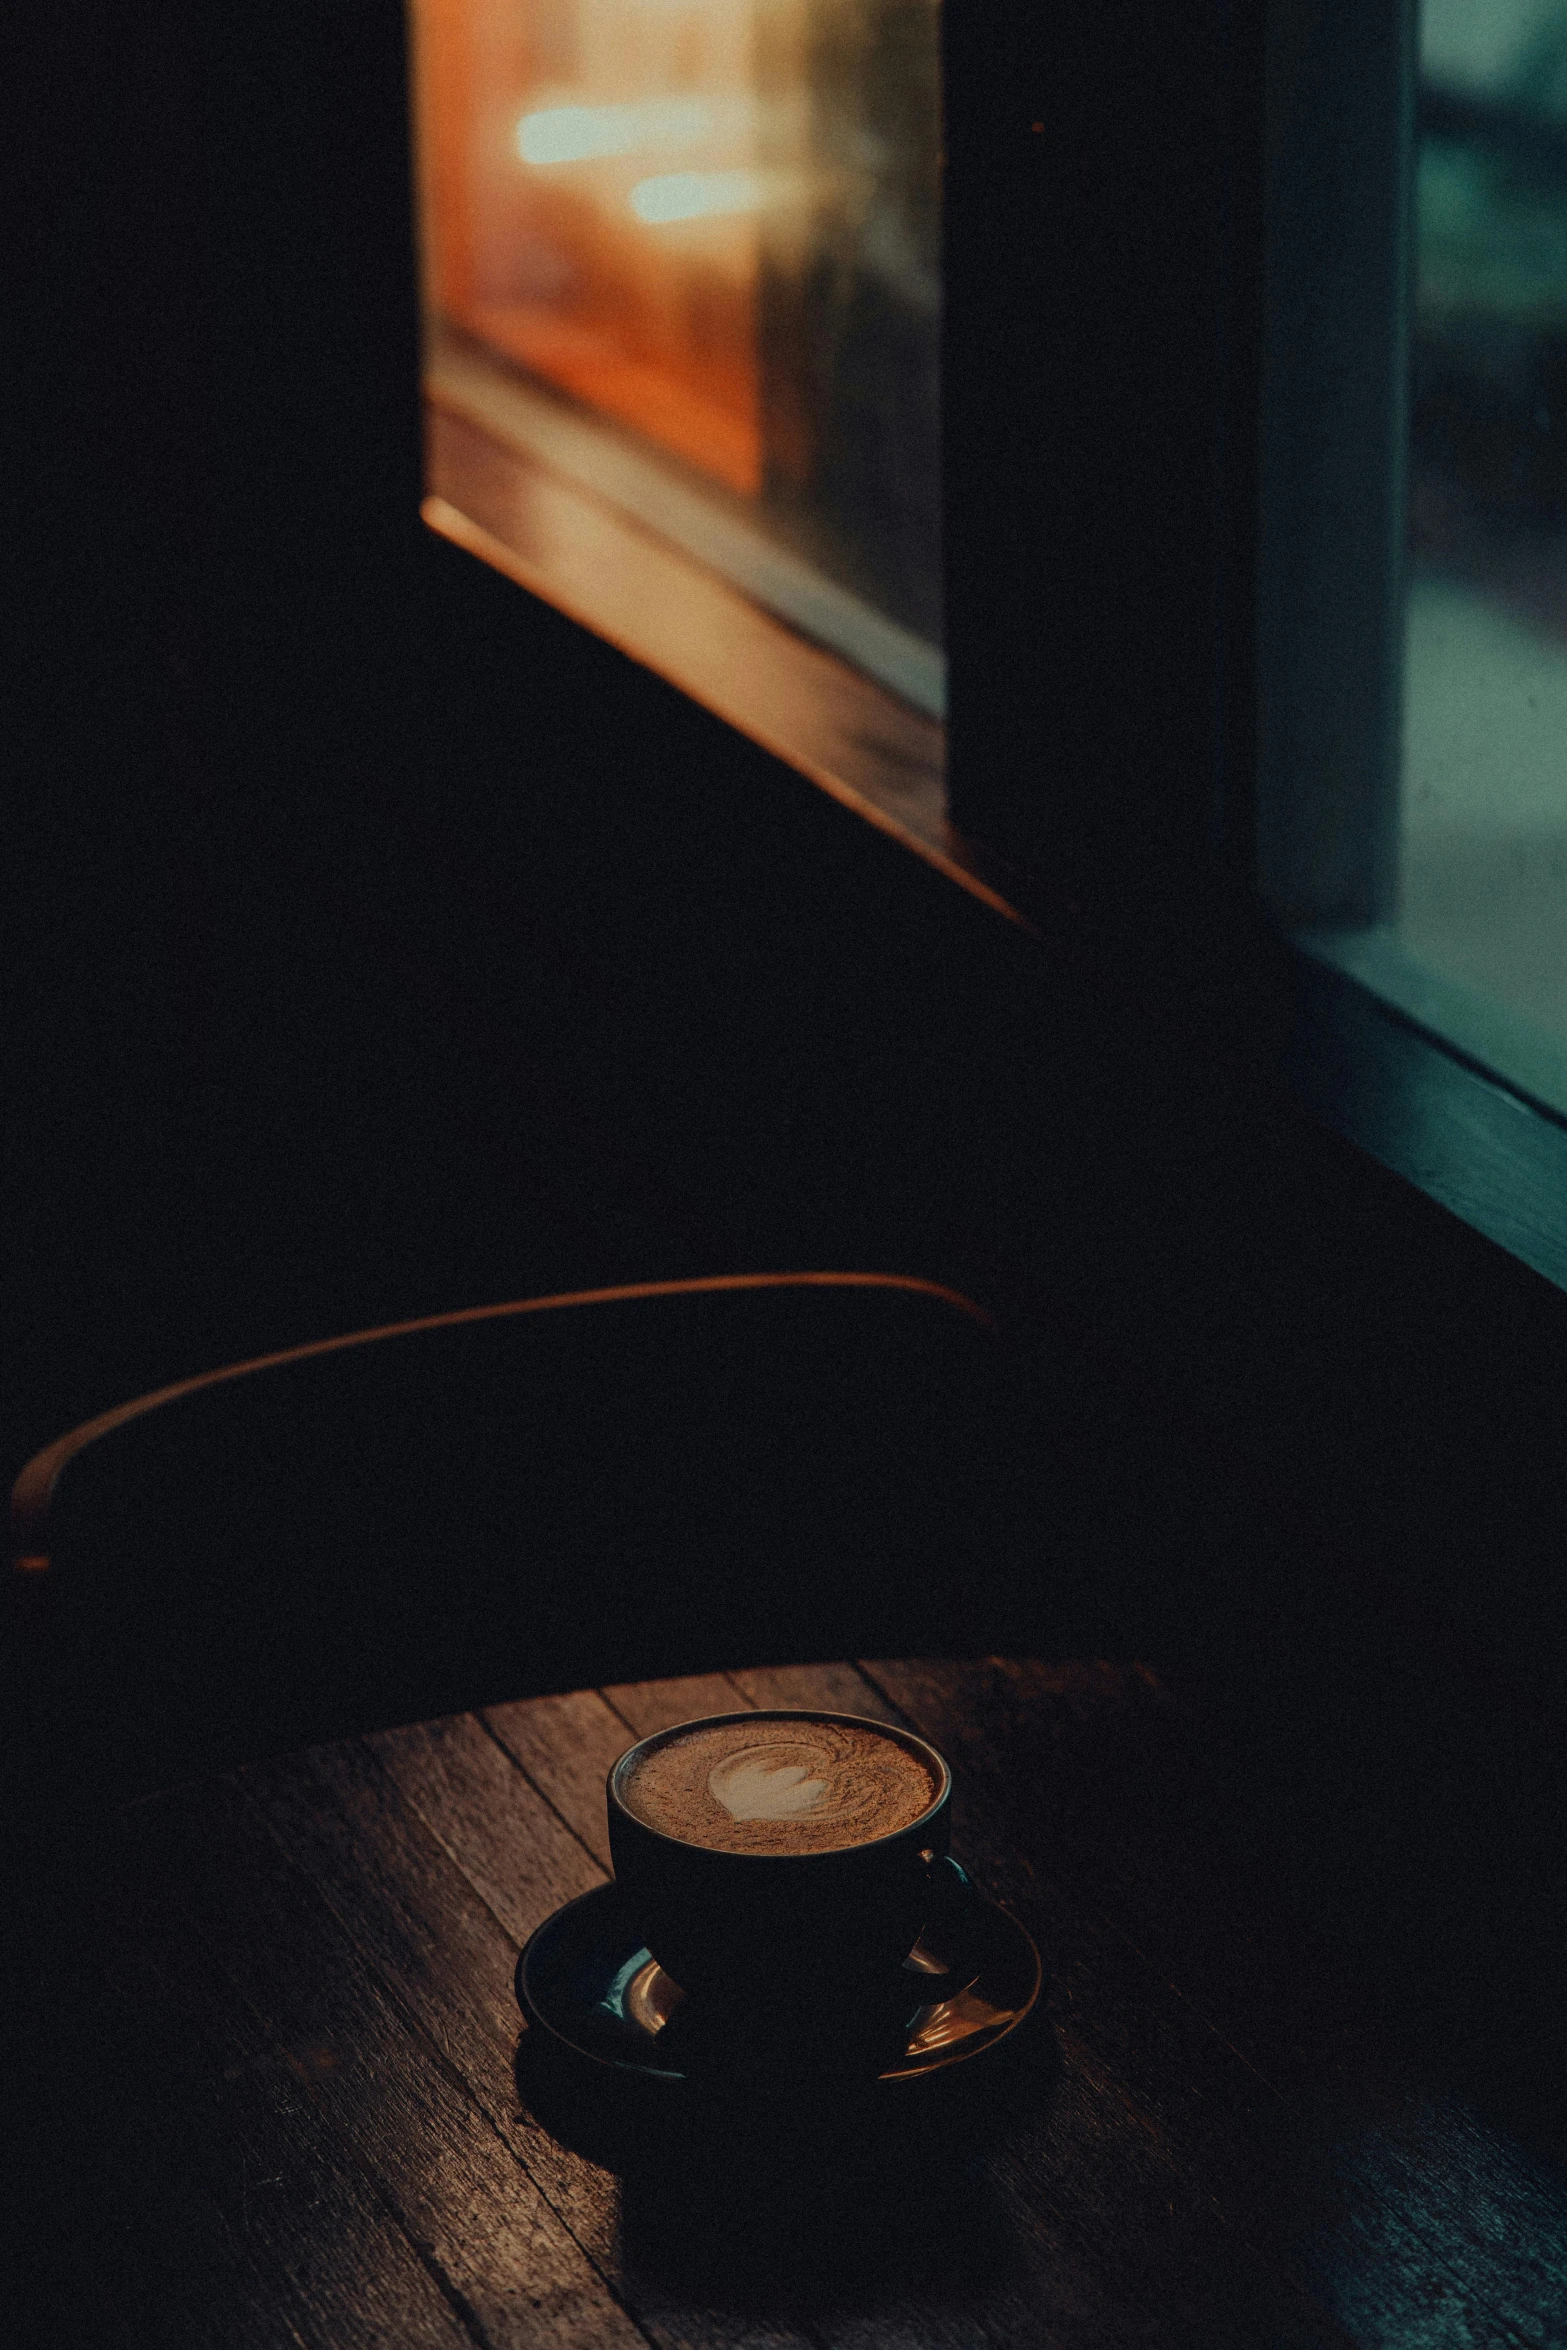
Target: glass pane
712 227
1483 812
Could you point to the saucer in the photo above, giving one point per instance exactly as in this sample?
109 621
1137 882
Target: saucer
586 1979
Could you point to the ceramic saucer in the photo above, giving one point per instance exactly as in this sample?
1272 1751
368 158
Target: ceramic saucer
587 1981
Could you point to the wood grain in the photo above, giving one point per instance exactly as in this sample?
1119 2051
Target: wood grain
421 1924
566 1746
646 1706
834 1688
1257 2073
511 1846
314 2121
303 2002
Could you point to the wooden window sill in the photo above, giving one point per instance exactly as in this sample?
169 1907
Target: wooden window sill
531 516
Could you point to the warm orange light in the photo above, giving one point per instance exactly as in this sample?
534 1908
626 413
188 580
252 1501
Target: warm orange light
564 148
716 223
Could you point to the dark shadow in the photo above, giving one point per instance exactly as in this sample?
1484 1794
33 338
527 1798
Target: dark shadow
810 2202
1397 1799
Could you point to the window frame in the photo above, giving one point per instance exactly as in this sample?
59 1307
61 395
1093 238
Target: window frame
1362 1058
1289 350
1200 778
676 571
1308 1254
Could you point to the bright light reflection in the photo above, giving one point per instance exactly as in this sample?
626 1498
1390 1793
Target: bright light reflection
571 134
688 195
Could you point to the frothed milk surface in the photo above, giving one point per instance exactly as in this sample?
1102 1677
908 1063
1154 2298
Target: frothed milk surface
779 1784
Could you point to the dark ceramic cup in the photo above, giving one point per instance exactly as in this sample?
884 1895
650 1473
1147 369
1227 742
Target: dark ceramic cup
741 1928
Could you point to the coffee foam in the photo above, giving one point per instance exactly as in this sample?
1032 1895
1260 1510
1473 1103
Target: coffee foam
781 1783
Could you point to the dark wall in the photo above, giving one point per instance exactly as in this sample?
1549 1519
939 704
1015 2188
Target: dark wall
383 942
386 941
380 942
229 1116
1102 250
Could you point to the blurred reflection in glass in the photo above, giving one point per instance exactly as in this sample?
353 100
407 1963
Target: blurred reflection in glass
1483 882
716 224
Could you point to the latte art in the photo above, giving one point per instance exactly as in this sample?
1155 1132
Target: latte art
780 1783
769 1783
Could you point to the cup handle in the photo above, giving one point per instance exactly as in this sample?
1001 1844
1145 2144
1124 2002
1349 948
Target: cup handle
957 1915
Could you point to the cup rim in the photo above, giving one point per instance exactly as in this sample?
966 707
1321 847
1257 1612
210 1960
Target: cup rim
781 1713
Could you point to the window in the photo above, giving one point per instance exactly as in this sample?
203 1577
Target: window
1195 378
1417 792
681 264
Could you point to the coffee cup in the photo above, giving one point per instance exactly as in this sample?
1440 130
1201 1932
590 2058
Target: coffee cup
782 1859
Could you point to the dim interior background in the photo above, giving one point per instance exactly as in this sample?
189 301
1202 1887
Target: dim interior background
380 942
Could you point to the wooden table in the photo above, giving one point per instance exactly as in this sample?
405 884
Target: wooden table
314 2132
